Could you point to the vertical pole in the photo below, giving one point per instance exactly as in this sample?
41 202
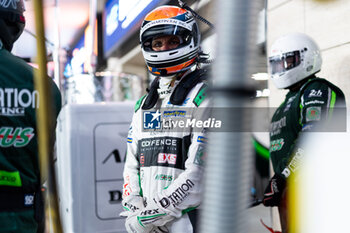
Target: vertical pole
229 164
44 116
56 51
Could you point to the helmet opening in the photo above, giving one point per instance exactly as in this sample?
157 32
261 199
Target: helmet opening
155 32
284 62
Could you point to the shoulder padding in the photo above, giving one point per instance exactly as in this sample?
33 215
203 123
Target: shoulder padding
185 86
180 92
320 80
152 96
339 93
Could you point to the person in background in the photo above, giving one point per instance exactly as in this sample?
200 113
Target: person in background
293 62
163 169
21 204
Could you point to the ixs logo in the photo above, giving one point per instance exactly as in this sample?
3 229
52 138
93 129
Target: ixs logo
167 158
13 101
17 137
152 120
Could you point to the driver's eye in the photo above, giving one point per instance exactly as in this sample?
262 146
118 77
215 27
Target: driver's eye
174 41
157 44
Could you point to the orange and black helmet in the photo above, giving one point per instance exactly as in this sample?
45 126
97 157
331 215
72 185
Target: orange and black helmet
170 20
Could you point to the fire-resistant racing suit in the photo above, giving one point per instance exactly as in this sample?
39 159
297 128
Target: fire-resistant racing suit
316 102
20 188
166 166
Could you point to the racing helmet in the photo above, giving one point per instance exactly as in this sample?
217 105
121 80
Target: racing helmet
12 22
293 58
170 20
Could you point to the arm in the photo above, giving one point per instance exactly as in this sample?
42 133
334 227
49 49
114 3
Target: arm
319 102
184 193
132 192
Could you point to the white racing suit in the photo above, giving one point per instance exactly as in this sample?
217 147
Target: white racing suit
166 166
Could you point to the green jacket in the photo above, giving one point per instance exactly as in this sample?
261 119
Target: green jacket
19 168
301 111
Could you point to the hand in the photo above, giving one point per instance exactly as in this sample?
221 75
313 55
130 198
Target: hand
161 229
133 225
274 190
147 219
131 204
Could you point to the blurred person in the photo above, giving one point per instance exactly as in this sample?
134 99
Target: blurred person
163 169
293 62
21 204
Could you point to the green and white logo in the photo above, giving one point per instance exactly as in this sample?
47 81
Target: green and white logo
313 114
164 177
200 156
17 137
276 145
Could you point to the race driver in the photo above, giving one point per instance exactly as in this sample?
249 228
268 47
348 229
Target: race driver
294 60
163 169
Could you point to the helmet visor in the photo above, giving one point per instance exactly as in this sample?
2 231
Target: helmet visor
152 33
284 62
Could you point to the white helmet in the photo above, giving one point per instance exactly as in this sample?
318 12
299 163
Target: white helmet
170 20
293 58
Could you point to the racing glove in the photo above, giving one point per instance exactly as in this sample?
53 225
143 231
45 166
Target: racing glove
147 219
274 190
132 204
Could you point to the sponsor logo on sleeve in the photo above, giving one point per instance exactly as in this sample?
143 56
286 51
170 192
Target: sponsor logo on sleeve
307 127
276 145
200 155
313 114
294 164
201 139
314 93
178 196
314 102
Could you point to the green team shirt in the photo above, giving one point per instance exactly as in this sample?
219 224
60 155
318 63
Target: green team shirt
19 101
315 101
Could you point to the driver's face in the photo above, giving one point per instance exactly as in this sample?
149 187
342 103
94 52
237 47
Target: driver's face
164 43
289 62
